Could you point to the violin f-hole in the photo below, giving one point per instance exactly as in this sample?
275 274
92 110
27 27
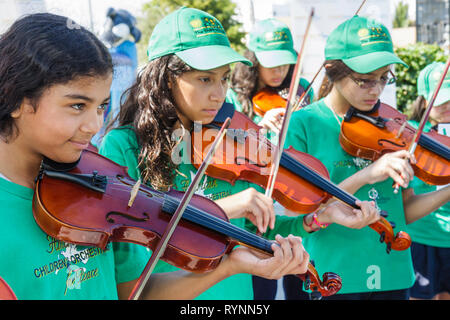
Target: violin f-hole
110 219
239 160
402 145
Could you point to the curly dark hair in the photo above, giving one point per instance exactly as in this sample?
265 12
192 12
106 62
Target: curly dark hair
151 111
244 81
39 51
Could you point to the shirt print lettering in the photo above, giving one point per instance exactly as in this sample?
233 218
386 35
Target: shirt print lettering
69 257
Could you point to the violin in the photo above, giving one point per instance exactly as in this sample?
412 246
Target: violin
88 204
370 135
6 292
270 98
302 183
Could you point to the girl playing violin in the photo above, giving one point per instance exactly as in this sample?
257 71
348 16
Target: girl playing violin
54 86
359 54
184 82
271 51
430 248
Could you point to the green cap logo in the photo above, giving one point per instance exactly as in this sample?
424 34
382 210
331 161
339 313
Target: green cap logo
363 44
206 26
373 36
277 38
271 41
196 37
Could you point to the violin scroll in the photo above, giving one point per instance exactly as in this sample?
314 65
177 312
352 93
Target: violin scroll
329 286
401 241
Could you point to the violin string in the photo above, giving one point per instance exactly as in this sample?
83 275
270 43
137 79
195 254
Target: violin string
212 222
222 226
240 234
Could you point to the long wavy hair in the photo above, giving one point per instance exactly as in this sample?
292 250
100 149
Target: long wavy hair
244 81
151 111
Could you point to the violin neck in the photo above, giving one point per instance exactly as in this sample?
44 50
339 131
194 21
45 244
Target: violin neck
434 146
296 167
213 223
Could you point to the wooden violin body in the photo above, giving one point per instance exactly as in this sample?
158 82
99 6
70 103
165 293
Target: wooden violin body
88 205
74 213
371 135
269 98
247 155
6 292
302 183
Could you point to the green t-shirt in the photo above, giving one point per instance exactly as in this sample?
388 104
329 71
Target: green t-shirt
39 267
120 145
433 229
354 254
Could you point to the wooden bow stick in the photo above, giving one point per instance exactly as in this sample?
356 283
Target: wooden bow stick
162 244
291 108
287 115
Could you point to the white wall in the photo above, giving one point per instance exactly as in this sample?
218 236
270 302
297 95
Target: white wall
10 10
85 12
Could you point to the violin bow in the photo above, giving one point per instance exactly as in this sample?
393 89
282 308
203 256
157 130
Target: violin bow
287 115
423 121
162 244
292 92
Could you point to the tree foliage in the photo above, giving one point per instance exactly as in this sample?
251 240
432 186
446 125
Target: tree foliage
224 10
401 15
417 56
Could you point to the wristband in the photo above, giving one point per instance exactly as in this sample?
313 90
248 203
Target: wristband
316 221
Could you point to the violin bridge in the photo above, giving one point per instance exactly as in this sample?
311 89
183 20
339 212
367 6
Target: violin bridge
400 131
134 192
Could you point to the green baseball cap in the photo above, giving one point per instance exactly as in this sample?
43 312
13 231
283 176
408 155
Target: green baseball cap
196 37
363 44
428 80
271 41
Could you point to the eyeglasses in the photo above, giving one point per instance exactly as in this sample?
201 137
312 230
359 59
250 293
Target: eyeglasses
367 83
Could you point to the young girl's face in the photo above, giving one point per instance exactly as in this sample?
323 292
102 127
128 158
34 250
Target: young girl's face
362 91
272 77
199 94
67 116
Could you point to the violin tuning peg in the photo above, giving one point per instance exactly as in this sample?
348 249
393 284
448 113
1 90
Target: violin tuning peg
392 224
306 282
388 248
384 213
382 236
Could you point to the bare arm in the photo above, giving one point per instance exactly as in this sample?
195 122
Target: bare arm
419 205
289 257
178 285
